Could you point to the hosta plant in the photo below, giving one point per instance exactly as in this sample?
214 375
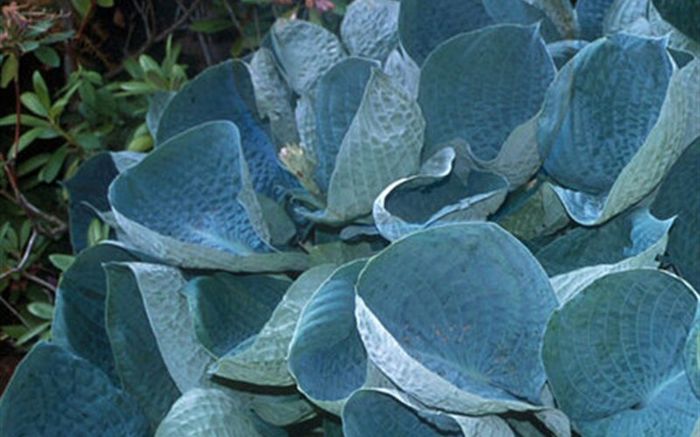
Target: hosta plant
464 217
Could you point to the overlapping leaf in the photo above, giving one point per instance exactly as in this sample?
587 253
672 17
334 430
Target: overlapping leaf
326 356
370 28
54 392
437 195
468 92
212 221
263 359
422 301
607 164
613 355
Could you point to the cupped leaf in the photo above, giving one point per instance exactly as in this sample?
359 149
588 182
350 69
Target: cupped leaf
610 163
262 360
79 318
424 25
625 236
454 315
304 51
468 92
382 144
212 221
337 99
326 356
166 308
692 357
229 310
684 15
138 362
282 410
208 412
54 392
437 195
678 197
586 147
370 28
613 355
225 92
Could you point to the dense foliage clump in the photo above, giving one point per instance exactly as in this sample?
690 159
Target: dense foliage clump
455 218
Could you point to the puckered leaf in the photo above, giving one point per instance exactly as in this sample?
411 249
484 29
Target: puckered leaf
79 318
424 25
468 92
225 92
370 28
166 307
586 147
337 98
613 355
437 195
263 359
304 51
229 310
213 220
282 410
678 197
326 356
455 315
382 144
273 97
137 360
54 392
208 412
403 70
610 163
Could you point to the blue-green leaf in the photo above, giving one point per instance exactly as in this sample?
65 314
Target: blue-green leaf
692 357
683 15
382 144
166 307
304 51
590 14
455 315
263 359
437 195
54 392
326 356
213 220
370 28
468 92
613 355
79 318
337 99
213 412
610 163
225 92
562 51
229 310
678 197
424 25
138 362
